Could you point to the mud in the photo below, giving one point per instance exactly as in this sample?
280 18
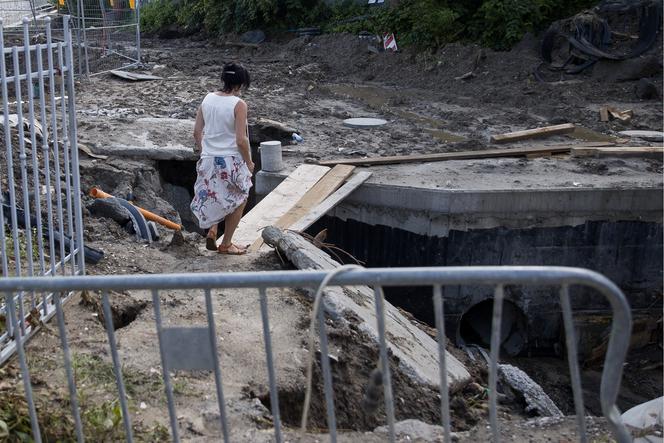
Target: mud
310 84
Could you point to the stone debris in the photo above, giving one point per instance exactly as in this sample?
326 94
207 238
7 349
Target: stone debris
536 399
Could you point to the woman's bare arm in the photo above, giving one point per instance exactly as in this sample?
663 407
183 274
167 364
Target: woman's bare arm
241 137
198 130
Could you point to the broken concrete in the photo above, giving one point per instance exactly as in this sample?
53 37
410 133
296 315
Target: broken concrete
537 401
416 352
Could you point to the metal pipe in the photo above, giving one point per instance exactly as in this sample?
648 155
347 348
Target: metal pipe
117 367
33 142
168 387
217 368
327 376
439 312
56 150
493 366
74 149
272 378
379 301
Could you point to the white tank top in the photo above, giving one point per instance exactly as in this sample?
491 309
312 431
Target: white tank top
219 131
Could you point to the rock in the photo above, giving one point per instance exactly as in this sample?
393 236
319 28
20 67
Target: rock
646 421
627 70
109 208
416 430
646 90
177 239
256 36
264 130
536 399
416 351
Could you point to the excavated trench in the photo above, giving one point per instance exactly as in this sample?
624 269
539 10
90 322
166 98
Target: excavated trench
627 252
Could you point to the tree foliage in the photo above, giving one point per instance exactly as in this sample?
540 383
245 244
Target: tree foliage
423 23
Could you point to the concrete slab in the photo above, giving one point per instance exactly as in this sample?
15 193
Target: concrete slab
148 138
655 136
435 211
416 352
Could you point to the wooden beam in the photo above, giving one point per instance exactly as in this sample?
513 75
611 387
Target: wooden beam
533 133
276 203
329 203
622 151
330 182
242 44
461 155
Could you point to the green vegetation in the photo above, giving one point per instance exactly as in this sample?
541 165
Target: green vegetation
101 413
22 245
497 24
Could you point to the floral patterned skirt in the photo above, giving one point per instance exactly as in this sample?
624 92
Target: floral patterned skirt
222 185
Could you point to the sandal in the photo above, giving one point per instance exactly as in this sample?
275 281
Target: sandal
210 244
231 250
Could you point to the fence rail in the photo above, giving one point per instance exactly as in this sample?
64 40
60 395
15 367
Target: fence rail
41 230
200 343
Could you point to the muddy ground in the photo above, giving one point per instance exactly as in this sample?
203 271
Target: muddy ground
312 84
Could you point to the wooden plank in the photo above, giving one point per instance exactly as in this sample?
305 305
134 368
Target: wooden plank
135 76
318 192
276 203
242 44
333 200
532 133
623 151
461 155
604 114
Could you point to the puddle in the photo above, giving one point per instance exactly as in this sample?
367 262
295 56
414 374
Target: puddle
589 135
444 136
379 98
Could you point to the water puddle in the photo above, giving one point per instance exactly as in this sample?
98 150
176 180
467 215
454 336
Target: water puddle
379 98
589 135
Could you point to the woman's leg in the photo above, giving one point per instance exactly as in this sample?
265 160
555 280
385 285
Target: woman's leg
212 232
211 238
230 224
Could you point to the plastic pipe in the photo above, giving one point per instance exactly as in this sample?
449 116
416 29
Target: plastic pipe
98 193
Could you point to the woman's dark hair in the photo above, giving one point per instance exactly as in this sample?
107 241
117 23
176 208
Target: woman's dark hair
234 76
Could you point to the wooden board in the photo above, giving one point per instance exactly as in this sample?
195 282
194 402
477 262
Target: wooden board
276 203
333 200
461 155
622 151
318 192
135 76
533 133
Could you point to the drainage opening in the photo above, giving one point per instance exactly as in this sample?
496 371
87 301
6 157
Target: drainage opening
178 179
475 327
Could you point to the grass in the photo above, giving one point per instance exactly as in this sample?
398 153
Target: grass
101 413
22 245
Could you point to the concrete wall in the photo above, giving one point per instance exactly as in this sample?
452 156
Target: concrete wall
617 232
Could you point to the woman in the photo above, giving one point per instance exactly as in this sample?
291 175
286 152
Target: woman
225 167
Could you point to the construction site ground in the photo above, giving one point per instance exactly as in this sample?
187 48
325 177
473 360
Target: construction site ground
313 84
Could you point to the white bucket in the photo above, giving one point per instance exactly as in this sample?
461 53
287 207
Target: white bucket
271 156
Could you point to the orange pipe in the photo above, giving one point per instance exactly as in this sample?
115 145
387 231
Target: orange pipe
98 193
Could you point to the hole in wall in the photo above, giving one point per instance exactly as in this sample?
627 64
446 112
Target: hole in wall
476 323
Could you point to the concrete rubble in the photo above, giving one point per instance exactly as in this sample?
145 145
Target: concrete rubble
416 352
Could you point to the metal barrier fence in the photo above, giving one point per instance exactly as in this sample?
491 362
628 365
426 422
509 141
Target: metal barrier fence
200 343
13 11
41 231
107 33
